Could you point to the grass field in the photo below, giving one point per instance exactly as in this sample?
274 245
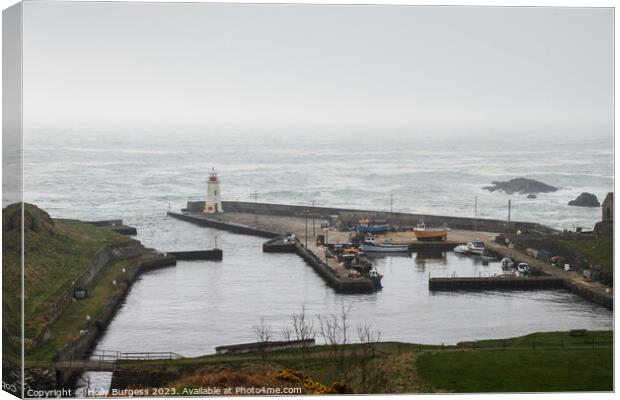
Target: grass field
557 362
522 370
601 251
540 362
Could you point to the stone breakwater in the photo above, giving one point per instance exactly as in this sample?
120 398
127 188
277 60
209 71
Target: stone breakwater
351 216
81 347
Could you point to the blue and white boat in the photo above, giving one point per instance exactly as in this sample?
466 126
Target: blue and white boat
476 246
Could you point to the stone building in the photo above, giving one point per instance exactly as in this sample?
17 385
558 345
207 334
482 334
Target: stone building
606 226
608 208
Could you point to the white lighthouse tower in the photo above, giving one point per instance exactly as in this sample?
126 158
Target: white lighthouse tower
214 203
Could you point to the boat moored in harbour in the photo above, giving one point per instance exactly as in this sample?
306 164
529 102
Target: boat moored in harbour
461 249
371 245
476 246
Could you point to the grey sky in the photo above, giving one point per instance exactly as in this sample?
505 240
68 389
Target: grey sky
195 65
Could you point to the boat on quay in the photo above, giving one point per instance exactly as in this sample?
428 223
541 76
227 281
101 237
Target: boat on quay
425 233
371 245
364 226
476 247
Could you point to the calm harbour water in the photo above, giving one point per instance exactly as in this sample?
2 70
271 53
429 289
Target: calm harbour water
193 307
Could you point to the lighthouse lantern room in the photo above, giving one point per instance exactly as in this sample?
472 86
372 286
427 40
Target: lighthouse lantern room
214 203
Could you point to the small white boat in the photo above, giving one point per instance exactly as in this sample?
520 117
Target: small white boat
476 247
371 245
507 263
523 268
461 249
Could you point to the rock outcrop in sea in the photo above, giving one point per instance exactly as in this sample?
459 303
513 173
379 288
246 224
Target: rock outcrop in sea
585 200
521 186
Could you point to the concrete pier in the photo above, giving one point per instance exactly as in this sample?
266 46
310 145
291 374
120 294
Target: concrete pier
212 255
115 225
496 283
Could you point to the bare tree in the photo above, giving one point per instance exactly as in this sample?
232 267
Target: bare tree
344 328
262 333
329 328
286 333
303 328
372 377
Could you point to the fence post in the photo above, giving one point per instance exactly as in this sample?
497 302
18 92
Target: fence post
473 345
533 344
562 342
504 344
592 342
442 346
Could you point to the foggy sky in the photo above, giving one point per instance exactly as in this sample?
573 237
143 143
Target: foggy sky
449 68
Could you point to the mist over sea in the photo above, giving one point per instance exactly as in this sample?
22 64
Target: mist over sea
136 176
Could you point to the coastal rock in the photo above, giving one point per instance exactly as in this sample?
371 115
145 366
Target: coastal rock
521 186
531 196
585 200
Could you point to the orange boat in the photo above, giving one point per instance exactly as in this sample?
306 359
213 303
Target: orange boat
425 233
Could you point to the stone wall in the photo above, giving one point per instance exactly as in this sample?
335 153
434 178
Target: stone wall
351 217
80 347
104 256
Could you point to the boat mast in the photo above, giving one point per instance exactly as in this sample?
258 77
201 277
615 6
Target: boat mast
475 217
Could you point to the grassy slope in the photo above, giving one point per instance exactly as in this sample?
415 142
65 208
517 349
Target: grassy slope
56 252
600 251
73 319
520 368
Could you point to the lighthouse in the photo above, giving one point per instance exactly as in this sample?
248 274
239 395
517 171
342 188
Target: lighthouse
214 203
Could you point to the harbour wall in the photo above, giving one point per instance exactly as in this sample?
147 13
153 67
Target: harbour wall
213 255
226 226
495 283
82 346
351 216
103 257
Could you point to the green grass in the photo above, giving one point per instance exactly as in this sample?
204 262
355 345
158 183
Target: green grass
600 251
548 340
56 253
518 370
73 319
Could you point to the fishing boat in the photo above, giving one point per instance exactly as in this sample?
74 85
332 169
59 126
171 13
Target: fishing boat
371 245
507 263
461 249
375 277
488 256
476 246
364 226
425 233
